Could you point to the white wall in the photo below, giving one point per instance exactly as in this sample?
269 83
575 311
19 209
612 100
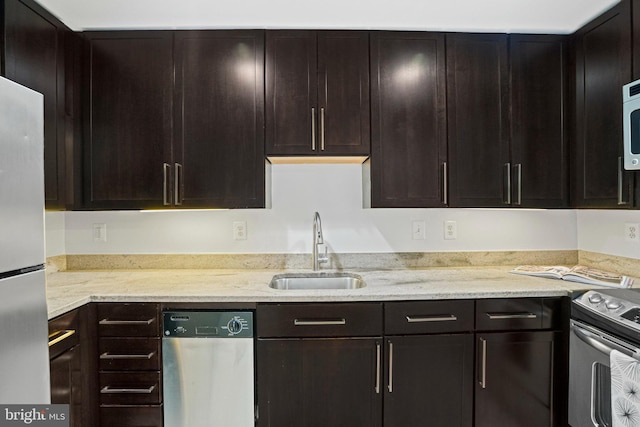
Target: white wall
54 233
297 191
603 231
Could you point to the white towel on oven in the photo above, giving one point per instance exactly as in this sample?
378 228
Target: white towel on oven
625 390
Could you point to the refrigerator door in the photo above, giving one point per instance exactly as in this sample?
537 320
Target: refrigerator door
24 352
21 177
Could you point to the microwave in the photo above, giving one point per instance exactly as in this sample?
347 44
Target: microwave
631 123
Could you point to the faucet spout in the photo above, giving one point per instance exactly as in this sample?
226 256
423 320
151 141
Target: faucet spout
317 241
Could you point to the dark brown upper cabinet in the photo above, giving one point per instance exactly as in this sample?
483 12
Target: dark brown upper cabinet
127 119
317 93
408 120
507 120
192 139
478 119
539 121
603 66
34 56
219 119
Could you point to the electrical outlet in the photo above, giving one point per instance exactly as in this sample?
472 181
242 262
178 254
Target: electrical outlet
417 230
631 232
99 232
239 230
450 230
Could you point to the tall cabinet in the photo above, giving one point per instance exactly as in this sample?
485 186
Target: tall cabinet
603 66
408 132
127 119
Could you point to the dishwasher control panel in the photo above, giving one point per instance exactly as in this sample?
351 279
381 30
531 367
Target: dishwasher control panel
207 324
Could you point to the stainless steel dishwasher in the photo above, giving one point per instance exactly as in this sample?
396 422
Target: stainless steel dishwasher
208 369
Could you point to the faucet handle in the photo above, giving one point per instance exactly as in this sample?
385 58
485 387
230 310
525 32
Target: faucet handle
323 259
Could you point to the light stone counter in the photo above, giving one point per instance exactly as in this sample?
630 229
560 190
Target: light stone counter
71 289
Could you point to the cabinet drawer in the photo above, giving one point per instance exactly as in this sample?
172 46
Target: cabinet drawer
125 354
130 388
319 320
425 317
128 320
131 416
63 333
509 314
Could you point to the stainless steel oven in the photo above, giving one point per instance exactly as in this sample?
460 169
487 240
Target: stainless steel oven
601 321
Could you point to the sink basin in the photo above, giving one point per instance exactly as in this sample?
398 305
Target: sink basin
310 281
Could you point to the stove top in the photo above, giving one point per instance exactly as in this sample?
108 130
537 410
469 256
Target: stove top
614 310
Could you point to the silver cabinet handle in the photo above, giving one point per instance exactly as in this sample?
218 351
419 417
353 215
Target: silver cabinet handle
507 173
322 129
504 316
176 190
436 318
518 201
60 336
165 183
109 356
390 385
445 184
109 390
483 363
126 322
377 368
313 129
321 322
621 183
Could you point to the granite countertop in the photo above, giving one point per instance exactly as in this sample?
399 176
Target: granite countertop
70 289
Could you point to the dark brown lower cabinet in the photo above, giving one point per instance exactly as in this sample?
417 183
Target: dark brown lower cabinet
516 379
319 382
134 416
429 381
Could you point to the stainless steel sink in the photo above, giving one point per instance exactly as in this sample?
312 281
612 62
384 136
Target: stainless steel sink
310 281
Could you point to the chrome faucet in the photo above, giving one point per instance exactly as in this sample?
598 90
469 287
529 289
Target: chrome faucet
318 240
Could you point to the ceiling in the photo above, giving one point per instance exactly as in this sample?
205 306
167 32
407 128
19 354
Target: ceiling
511 16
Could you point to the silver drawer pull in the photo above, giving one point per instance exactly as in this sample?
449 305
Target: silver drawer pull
109 390
326 322
59 336
437 318
126 356
504 316
126 322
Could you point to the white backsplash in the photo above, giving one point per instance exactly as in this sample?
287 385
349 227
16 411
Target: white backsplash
297 191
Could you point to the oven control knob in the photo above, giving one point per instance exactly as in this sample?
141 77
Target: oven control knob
234 326
612 305
595 298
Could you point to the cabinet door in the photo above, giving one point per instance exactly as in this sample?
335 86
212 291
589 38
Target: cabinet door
429 381
127 119
34 57
408 121
603 65
516 380
319 382
291 93
478 120
219 111
539 131
343 92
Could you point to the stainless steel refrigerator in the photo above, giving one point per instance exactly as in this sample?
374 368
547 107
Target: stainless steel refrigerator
24 358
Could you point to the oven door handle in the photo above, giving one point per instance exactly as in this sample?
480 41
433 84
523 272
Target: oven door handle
603 343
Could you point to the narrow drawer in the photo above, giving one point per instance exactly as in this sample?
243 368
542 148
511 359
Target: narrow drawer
131 416
428 317
127 354
509 314
319 320
63 333
128 320
130 388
